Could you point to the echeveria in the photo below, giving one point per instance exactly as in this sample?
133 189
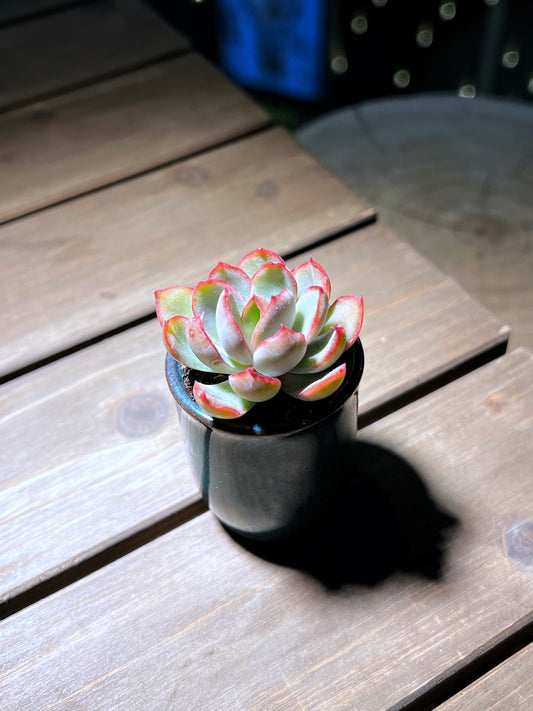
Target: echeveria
263 325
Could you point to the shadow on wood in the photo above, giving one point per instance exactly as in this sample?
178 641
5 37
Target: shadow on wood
381 520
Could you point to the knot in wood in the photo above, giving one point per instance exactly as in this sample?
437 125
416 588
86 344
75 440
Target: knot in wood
192 176
142 414
519 542
268 189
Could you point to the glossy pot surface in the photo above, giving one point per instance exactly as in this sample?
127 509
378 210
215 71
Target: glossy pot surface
266 474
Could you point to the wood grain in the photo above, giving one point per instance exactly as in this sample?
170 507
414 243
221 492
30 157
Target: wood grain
452 175
91 446
193 617
508 687
84 139
94 262
82 44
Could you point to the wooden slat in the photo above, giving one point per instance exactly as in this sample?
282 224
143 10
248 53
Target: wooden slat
91 446
78 45
509 687
84 139
16 10
92 264
194 620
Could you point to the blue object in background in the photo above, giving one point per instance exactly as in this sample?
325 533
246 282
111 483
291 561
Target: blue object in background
274 45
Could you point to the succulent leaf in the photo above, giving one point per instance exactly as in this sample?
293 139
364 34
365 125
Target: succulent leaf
173 301
279 353
270 279
347 311
322 351
313 387
219 400
310 273
311 312
229 329
175 339
250 317
264 326
204 348
233 275
251 385
205 300
279 312
251 262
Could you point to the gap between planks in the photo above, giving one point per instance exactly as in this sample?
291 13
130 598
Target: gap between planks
104 557
361 223
460 675
466 672
180 46
139 174
52 9
195 508
129 541
105 76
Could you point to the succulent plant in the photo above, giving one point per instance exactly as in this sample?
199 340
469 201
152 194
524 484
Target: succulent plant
265 327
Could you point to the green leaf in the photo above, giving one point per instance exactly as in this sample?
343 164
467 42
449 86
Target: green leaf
204 348
175 340
219 400
251 385
229 330
205 300
346 311
314 387
279 312
232 275
250 317
279 353
173 301
255 259
311 312
311 273
270 279
322 352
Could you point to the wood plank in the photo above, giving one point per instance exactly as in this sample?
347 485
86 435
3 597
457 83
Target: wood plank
508 687
102 421
81 44
16 10
84 139
193 617
95 261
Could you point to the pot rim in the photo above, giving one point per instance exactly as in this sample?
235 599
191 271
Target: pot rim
261 420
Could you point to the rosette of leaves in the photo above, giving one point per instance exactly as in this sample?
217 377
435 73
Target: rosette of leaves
263 325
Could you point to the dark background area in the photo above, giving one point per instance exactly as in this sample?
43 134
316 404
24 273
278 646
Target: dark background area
376 48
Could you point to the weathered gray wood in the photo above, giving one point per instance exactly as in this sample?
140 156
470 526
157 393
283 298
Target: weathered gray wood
91 449
452 175
192 617
84 139
508 687
80 44
92 264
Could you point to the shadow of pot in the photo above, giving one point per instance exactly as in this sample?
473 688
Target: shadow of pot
268 473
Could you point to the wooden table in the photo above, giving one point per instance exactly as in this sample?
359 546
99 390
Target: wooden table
129 165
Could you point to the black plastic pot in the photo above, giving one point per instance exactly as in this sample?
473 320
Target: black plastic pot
268 473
